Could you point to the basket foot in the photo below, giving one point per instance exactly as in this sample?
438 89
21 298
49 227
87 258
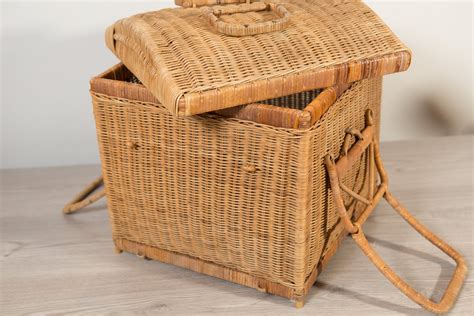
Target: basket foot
142 256
299 303
117 250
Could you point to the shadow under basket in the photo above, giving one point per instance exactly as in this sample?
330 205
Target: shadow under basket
261 194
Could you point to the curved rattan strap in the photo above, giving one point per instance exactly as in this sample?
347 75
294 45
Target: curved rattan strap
87 196
367 142
232 29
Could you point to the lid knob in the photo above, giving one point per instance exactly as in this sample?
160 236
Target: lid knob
232 29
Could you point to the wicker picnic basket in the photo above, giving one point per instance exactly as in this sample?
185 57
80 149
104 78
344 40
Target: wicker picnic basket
241 140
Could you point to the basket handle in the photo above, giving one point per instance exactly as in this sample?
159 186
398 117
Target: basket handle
367 142
200 3
86 197
213 16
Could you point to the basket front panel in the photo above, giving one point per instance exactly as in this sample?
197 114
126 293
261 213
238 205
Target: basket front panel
221 190
323 220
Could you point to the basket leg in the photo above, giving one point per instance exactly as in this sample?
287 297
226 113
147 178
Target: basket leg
299 303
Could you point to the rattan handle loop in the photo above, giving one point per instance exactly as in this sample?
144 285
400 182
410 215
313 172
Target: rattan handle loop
213 16
200 3
86 197
336 170
456 282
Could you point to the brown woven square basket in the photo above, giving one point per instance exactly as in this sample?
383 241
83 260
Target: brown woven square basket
253 179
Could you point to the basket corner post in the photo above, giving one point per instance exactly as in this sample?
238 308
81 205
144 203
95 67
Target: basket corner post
303 218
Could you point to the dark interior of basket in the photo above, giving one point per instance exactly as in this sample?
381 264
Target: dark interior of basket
293 101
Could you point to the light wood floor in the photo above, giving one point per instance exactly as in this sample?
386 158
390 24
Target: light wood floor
56 264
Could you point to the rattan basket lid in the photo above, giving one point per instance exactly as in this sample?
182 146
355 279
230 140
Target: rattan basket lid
200 59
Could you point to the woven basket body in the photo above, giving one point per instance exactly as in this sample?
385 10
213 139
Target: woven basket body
245 143
250 200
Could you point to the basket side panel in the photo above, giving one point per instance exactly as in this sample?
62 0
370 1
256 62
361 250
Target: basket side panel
325 227
222 190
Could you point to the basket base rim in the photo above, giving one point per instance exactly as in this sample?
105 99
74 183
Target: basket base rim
228 274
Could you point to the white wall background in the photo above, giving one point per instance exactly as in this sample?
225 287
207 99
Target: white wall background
51 49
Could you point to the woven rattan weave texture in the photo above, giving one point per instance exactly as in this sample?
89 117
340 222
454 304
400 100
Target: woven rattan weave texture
246 196
193 68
